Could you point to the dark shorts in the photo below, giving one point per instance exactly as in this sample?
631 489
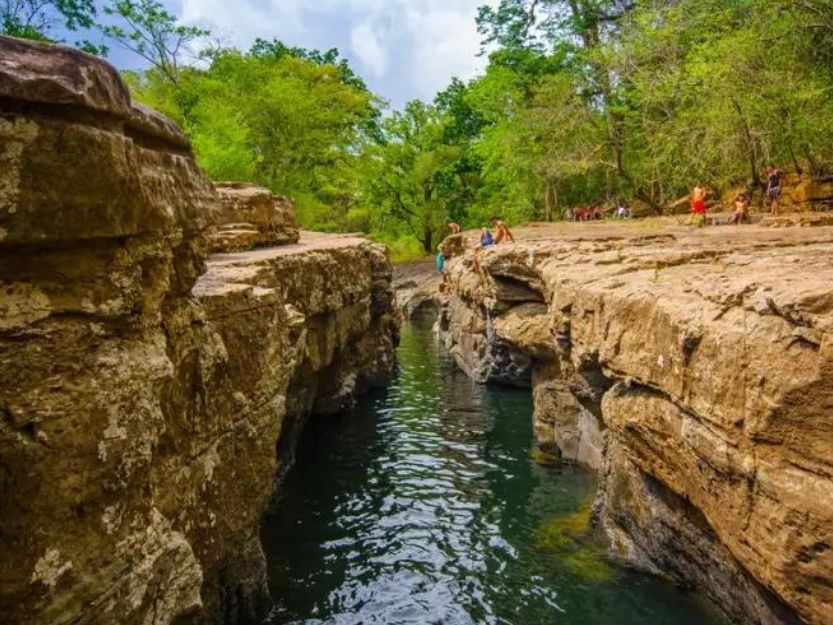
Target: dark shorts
775 193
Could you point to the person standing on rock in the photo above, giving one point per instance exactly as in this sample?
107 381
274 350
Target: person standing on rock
698 206
773 188
502 232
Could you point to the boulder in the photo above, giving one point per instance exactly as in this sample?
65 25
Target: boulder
250 217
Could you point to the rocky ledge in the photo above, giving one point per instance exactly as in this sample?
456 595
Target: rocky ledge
250 217
148 399
694 370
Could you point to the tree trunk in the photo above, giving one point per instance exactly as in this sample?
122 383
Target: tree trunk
547 200
750 145
427 236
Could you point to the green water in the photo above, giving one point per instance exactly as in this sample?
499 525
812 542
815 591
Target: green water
423 506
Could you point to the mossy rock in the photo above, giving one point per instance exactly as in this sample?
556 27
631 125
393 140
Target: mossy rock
544 458
571 539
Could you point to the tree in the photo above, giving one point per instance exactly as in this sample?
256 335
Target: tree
413 179
36 19
281 120
153 33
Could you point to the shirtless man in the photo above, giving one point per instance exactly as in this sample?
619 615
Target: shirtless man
454 227
741 214
502 232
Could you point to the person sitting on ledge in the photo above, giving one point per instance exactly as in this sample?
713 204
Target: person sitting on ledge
486 238
502 232
741 214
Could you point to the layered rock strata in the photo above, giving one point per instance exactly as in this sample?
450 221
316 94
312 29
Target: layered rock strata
694 371
145 411
250 217
416 285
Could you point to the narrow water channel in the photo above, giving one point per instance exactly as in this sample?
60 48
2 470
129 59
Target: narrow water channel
425 506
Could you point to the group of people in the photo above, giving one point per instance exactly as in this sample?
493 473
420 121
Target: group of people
699 209
594 212
742 202
487 238
584 213
502 234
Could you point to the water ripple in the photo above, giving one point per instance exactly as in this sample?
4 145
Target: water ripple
423 507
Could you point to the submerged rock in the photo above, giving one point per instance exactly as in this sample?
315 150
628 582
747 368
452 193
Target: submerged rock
146 406
708 416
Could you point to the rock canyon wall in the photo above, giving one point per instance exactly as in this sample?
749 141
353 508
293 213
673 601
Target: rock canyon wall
148 398
694 371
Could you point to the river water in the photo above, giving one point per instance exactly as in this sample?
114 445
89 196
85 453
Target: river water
425 505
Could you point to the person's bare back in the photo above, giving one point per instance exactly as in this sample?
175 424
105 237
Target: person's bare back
502 232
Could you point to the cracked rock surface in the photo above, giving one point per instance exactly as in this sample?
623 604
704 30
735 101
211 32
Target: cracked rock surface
149 398
694 370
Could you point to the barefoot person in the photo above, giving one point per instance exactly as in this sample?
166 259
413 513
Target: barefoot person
502 232
773 188
698 207
741 214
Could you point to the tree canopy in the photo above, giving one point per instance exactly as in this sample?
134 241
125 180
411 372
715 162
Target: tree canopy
582 101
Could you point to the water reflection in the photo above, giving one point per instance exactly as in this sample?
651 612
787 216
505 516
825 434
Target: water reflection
423 506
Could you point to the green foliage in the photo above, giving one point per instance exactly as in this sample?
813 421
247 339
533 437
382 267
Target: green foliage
36 19
292 120
582 101
147 29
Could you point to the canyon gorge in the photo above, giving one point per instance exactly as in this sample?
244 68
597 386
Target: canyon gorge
164 340
144 391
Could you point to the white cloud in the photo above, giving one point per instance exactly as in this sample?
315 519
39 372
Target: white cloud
367 46
404 48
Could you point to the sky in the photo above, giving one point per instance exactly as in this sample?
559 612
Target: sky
404 49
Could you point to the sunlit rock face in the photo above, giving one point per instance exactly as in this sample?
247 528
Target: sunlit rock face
694 370
144 415
250 217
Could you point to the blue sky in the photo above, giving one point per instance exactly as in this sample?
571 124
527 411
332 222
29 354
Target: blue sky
404 49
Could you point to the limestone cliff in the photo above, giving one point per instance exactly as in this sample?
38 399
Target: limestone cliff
694 370
148 399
